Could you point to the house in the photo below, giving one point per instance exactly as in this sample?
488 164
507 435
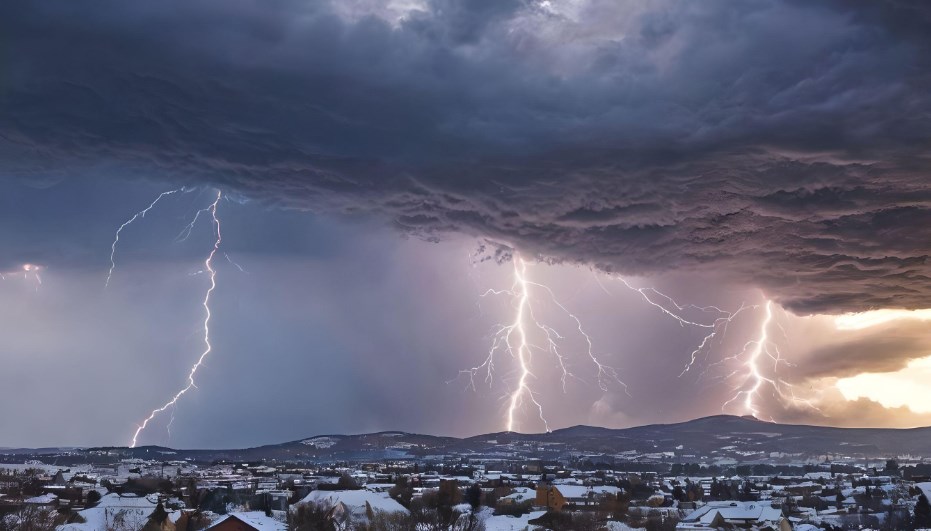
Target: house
248 521
117 511
357 505
753 515
518 495
58 479
45 500
556 497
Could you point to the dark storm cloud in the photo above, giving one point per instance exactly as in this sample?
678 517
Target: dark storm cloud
783 144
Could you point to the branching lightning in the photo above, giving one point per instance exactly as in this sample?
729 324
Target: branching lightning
137 215
753 377
753 373
514 339
211 273
28 271
718 325
186 231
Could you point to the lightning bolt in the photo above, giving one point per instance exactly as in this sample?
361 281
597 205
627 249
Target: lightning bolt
137 215
754 373
34 269
753 376
669 307
171 421
524 355
211 273
186 231
26 270
514 339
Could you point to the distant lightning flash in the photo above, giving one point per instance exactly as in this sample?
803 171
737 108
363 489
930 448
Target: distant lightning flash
34 269
137 215
514 338
211 273
26 270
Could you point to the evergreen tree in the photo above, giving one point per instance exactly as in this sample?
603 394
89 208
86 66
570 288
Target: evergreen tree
922 512
473 496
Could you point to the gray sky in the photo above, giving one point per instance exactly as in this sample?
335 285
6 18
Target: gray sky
726 153
337 325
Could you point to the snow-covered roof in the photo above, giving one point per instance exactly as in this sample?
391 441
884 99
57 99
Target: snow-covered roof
521 494
355 500
257 519
579 491
619 526
44 499
735 511
133 511
925 488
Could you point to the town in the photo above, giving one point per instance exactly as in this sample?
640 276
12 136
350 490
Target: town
396 481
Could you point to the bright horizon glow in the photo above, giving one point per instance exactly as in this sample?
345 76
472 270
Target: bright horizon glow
859 321
906 387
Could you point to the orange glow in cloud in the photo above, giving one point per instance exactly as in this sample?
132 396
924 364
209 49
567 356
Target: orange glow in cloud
859 321
906 387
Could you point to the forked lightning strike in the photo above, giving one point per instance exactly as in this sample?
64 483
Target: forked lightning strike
137 215
751 357
514 339
26 270
211 273
719 325
753 377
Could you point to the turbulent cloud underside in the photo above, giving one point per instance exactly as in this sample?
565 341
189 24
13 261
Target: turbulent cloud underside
782 144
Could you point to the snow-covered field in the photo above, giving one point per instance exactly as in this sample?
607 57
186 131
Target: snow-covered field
320 442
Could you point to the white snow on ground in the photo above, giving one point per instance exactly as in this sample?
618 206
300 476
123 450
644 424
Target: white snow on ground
44 518
48 469
620 526
462 508
320 442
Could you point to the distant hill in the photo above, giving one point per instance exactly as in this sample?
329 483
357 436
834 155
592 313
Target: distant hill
742 438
